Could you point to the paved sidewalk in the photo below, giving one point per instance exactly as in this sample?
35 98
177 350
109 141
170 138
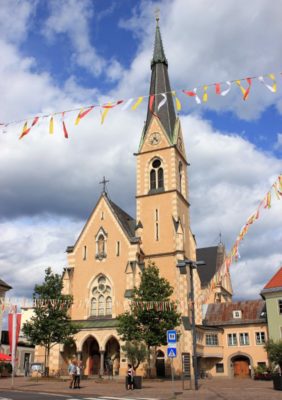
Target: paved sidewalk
209 389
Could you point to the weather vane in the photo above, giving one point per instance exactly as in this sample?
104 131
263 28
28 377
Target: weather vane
104 183
157 14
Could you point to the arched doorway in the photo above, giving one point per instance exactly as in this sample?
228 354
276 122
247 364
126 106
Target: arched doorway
91 356
160 364
112 356
241 366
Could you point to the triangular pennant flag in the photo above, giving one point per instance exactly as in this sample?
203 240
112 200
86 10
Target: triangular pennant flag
164 100
177 102
272 87
137 103
26 130
64 127
104 113
51 126
193 93
127 104
205 94
243 90
224 92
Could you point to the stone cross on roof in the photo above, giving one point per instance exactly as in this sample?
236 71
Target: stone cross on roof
104 183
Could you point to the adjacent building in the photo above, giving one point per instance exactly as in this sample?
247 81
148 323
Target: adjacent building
272 294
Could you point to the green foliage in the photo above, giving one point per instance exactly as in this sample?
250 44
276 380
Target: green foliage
135 352
274 350
149 325
5 368
50 323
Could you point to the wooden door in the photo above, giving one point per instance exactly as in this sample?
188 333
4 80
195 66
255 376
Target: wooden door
241 369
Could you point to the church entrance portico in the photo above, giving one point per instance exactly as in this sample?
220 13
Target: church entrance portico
91 356
112 356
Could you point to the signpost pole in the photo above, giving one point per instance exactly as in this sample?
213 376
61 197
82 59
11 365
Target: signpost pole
14 344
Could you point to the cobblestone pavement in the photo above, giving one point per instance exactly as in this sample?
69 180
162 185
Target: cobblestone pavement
209 389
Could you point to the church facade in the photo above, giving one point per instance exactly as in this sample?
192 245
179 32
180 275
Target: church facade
107 260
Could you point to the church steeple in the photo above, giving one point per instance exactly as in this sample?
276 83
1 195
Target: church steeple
160 88
159 55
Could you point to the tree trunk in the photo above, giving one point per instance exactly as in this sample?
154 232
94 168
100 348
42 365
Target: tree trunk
149 361
47 361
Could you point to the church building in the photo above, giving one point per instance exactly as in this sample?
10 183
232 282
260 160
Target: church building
108 258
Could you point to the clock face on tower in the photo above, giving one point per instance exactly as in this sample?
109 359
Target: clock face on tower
154 138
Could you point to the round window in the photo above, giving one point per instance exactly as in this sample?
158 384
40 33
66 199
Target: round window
156 163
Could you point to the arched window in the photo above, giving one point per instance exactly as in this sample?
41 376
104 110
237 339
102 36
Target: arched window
101 301
156 175
109 306
152 179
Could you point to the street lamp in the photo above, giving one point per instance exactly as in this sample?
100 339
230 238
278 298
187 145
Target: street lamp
183 270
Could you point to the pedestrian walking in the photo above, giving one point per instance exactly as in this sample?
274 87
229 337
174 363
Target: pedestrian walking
79 370
130 375
72 373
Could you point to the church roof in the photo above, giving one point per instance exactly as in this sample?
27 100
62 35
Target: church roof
5 285
160 84
127 222
252 311
207 271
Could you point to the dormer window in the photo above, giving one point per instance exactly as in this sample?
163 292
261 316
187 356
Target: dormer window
237 314
156 175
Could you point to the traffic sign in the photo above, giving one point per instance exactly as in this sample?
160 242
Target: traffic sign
171 336
171 352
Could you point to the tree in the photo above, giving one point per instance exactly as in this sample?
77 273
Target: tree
149 317
274 350
50 323
136 353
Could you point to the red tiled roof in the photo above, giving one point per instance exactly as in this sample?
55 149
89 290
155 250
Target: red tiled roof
253 311
275 281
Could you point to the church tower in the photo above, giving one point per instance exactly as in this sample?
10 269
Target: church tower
162 206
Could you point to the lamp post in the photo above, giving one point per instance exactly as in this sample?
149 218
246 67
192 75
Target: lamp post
183 270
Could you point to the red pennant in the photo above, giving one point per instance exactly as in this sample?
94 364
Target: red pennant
217 88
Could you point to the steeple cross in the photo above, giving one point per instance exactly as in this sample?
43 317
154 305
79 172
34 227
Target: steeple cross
157 14
104 183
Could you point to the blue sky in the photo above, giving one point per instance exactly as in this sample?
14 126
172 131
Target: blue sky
57 55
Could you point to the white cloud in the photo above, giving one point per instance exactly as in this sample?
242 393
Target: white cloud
72 18
15 17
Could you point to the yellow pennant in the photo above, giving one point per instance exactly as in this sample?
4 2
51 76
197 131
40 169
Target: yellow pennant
104 113
274 85
205 95
51 126
137 103
78 117
177 102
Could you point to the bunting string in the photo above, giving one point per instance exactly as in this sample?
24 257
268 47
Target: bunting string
223 271
159 99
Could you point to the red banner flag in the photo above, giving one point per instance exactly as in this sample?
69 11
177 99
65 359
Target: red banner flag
10 328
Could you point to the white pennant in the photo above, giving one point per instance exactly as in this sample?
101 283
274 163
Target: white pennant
197 98
127 104
271 88
224 93
164 100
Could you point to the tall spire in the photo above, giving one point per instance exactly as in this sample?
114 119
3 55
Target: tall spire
159 55
160 85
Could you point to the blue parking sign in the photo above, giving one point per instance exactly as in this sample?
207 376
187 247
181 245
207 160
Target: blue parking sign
171 336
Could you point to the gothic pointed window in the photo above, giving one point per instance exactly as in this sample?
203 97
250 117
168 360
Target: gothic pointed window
101 244
101 301
156 175
152 179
